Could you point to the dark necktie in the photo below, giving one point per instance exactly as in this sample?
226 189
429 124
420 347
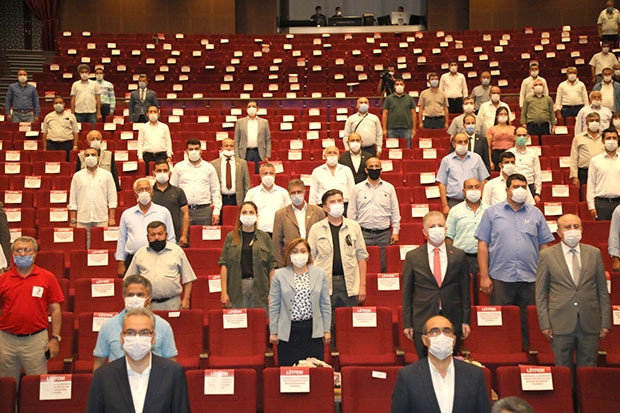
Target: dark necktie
228 174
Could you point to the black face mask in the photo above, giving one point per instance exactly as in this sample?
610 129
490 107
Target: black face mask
374 174
157 245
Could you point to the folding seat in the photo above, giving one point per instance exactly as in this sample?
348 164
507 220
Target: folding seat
20 217
8 390
61 239
374 259
51 199
54 217
557 193
52 168
29 396
609 348
596 232
229 215
204 260
597 389
86 342
384 290
411 233
206 296
559 400
91 295
614 280
63 362
19 182
18 199
67 304
364 346
394 263
103 238
539 347
208 237
188 336
243 400
92 264
406 348
368 389
47 156
319 399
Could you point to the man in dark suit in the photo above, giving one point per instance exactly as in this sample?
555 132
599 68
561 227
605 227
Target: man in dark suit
235 186
287 225
477 141
140 100
252 137
571 297
440 383
355 158
140 381
435 282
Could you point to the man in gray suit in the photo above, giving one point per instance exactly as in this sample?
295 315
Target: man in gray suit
252 137
571 296
293 221
233 174
140 100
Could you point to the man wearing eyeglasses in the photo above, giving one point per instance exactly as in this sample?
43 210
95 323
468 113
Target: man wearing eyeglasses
457 386
27 294
137 293
123 385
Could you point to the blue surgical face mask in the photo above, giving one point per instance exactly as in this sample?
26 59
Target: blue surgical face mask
470 129
363 107
23 261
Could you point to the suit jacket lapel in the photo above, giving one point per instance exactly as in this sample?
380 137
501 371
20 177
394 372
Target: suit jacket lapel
428 389
123 384
155 381
559 256
427 263
290 214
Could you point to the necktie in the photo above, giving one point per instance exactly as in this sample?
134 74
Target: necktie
142 95
228 174
471 144
576 265
437 266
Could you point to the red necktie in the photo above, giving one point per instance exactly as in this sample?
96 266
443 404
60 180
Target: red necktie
437 266
228 174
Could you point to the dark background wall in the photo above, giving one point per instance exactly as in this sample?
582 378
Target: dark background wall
12 26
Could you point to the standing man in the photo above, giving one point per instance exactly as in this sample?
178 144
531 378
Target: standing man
198 179
233 174
613 242
585 145
107 96
318 17
268 198
252 137
457 125
440 383
22 100
387 80
527 162
538 114
174 199
595 105
331 175
486 113
339 249
477 141
293 221
433 105
454 85
85 99
106 158
28 293
367 126
374 206
482 92
601 60
132 228
608 23
528 82
509 236
355 158
59 130
455 168
399 115
140 100
495 190
571 96
572 301
603 190
92 198
610 91
165 265
140 381
154 142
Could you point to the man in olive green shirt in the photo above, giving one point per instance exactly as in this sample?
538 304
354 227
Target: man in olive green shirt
538 113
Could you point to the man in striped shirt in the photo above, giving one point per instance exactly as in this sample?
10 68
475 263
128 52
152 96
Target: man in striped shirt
108 99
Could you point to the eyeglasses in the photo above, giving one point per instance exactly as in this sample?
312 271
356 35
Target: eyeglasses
434 332
141 333
26 250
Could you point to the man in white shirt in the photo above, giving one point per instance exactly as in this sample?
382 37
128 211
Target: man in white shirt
268 198
608 23
528 83
527 162
198 178
454 85
233 173
107 96
154 142
252 137
123 384
595 105
601 60
367 125
486 113
457 124
603 193
494 191
571 96
610 91
92 198
85 99
482 92
331 175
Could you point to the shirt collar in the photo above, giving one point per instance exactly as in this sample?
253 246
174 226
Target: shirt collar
449 372
566 249
146 371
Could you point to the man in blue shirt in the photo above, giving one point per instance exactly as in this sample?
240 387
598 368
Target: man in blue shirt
455 168
509 236
23 100
137 292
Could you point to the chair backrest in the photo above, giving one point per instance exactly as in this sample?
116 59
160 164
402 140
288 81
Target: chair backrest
57 364
597 389
85 302
378 296
8 390
188 332
404 343
202 266
197 235
242 401
29 396
495 339
95 265
205 299
559 400
536 339
97 240
238 341
86 338
320 399
368 388
53 261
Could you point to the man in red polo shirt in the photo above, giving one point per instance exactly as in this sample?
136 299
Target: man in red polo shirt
27 294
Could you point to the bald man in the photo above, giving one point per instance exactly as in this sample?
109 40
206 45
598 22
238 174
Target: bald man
233 174
355 157
331 175
106 158
596 99
367 125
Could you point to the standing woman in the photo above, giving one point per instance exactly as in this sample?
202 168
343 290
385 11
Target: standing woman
299 307
247 264
501 136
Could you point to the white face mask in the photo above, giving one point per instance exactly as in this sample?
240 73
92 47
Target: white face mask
134 302
572 77
299 260
400 89
534 73
22 79
605 49
91 161
59 107
519 195
331 160
95 144
436 235
468 108
136 348
247 220
538 89
486 81
99 78
162 177
461 149
336 210
142 85
84 76
453 69
153 117
617 73
363 107
228 153
594 126
434 83
611 145
502 119
297 199
508 169
268 180
193 156
596 103
607 79
616 123
441 346
571 237
495 97
251 111
473 195
355 146
144 198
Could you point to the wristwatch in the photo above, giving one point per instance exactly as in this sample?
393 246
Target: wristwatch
58 338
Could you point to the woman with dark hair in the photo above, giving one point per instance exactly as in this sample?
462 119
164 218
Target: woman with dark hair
299 307
501 136
247 263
